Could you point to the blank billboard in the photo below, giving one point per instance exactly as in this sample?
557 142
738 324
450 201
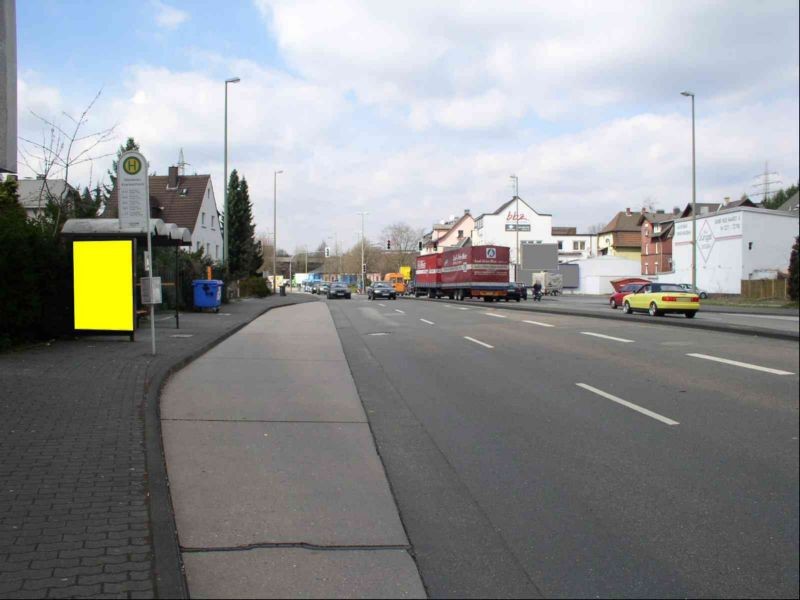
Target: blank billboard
539 257
103 279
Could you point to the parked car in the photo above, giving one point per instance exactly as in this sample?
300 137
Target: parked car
623 287
694 290
380 289
516 291
338 290
324 288
658 299
315 287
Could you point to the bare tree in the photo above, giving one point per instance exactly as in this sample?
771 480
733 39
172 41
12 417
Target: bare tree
404 241
60 150
597 228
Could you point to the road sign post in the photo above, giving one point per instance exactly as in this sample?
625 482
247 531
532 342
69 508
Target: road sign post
133 189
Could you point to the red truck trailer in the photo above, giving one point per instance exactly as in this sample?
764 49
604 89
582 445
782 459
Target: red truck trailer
475 271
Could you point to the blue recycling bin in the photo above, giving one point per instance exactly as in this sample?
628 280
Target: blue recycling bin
207 293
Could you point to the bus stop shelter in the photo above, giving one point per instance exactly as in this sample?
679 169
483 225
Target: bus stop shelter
163 235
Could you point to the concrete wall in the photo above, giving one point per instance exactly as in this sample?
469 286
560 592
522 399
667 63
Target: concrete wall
595 274
8 87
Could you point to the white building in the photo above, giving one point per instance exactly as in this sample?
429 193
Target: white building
596 274
35 193
515 216
573 245
188 201
732 245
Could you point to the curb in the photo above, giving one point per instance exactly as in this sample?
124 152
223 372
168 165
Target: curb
749 331
170 579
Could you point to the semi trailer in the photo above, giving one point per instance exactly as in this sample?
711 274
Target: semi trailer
471 272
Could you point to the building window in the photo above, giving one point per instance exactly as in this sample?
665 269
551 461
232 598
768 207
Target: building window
645 269
579 245
560 245
198 244
208 249
460 233
203 219
656 228
212 221
216 255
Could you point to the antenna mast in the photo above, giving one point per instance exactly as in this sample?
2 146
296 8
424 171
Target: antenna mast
765 183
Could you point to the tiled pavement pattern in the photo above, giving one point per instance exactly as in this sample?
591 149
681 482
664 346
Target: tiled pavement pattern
74 488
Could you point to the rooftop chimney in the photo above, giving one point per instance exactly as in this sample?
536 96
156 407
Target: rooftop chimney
172 184
644 210
466 211
727 200
628 211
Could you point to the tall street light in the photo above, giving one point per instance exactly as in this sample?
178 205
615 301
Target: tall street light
694 200
275 234
516 225
363 272
225 177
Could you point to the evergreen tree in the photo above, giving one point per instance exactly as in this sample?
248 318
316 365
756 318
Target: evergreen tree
794 270
244 251
130 144
86 205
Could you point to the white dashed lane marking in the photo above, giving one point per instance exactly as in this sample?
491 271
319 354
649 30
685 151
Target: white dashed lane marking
484 344
607 337
744 365
630 405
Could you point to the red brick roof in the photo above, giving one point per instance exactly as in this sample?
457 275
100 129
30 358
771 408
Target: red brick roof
180 205
623 222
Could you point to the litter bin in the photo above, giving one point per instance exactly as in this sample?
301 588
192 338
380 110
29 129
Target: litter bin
283 289
207 293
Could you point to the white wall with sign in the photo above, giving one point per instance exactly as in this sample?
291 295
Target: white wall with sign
745 243
501 229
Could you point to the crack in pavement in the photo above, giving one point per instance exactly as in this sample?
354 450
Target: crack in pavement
304 545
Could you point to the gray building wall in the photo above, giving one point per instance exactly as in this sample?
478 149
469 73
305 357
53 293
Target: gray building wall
8 86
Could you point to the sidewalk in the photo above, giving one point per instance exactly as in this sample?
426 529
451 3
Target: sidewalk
83 503
277 486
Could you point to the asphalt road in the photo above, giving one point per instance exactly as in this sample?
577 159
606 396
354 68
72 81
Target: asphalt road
786 320
531 456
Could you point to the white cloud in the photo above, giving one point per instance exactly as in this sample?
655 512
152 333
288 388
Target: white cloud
168 17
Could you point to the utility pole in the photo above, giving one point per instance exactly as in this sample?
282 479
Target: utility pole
226 229
765 183
516 226
275 234
694 199
363 271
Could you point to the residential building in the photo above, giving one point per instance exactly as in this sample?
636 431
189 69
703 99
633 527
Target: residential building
513 220
34 193
733 245
657 230
448 233
622 236
573 245
188 201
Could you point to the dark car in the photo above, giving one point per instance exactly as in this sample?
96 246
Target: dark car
379 289
315 287
338 290
516 291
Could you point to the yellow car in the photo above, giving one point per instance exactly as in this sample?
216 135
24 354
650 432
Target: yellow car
661 298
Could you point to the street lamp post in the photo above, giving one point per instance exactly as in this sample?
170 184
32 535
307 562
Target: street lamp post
516 225
225 177
275 234
694 200
363 273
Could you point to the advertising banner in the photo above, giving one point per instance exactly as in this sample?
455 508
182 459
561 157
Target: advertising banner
103 285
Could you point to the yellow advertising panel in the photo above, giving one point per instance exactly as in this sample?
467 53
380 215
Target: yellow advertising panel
405 272
103 279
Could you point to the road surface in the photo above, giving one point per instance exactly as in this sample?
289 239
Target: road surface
561 456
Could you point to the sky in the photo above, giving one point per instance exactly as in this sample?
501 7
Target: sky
418 110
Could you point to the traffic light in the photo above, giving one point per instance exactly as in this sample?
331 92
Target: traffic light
364 268
388 244
327 252
419 246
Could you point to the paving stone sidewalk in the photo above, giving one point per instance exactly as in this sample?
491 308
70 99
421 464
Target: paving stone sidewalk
82 494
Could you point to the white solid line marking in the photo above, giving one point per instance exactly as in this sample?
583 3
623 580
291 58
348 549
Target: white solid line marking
607 337
538 323
466 337
630 405
736 363
462 308
402 312
428 322
495 315
383 305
